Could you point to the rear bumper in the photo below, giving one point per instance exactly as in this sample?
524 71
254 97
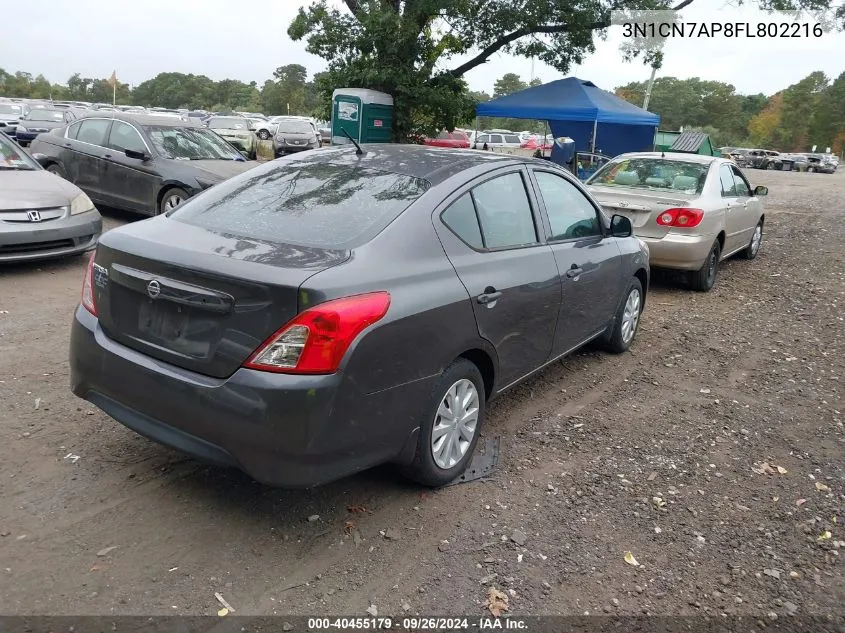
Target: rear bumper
678 251
283 430
28 241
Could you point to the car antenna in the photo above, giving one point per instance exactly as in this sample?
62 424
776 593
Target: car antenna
358 150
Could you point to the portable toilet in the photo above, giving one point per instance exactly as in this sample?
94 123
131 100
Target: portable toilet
366 115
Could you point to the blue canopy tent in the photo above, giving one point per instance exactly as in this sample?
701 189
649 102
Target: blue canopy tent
596 120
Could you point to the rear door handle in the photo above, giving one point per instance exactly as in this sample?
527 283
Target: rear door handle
573 272
488 297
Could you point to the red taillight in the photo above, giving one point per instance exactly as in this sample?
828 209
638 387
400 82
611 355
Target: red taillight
315 341
681 218
88 288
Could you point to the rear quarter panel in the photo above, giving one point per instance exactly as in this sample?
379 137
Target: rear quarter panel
430 320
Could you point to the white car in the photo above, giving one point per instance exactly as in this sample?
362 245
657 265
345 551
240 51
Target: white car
263 128
495 139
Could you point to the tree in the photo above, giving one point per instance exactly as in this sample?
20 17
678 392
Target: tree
764 129
800 101
507 85
404 47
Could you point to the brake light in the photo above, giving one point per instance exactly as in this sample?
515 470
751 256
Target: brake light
315 341
681 218
88 288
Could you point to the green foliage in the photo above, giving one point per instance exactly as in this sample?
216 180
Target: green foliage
811 112
289 85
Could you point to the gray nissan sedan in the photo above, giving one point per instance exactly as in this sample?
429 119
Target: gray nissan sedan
41 215
337 309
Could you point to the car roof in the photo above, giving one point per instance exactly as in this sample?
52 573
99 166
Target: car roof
433 164
690 158
142 119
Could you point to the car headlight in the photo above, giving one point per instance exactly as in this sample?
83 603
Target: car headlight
81 204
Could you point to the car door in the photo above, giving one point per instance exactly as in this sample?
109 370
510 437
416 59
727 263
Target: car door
747 211
733 206
84 162
489 232
589 261
128 183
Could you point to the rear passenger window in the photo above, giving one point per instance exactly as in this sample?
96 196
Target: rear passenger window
93 131
73 130
504 212
512 138
461 218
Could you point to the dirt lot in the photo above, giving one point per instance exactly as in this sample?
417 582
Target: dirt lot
659 452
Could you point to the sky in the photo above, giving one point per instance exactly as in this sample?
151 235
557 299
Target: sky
247 40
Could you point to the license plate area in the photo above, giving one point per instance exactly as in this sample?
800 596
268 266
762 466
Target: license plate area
176 328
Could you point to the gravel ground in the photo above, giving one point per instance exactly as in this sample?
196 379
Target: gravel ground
712 452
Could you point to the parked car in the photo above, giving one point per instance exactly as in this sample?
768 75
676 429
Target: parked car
310 121
455 139
235 130
693 211
10 117
294 135
492 139
40 120
324 132
329 311
41 216
143 163
263 128
821 163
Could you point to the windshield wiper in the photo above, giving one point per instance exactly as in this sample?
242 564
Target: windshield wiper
20 168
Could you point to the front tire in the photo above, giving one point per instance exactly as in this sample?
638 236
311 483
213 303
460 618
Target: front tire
451 425
750 251
171 199
263 135
703 279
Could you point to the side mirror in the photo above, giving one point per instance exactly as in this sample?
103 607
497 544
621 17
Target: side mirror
131 153
760 190
620 226
41 159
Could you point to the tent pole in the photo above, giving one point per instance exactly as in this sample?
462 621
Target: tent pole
595 130
543 144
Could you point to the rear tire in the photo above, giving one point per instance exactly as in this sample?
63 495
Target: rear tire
55 168
703 279
460 392
172 198
627 319
750 251
263 135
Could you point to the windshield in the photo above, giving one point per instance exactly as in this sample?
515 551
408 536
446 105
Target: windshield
6 108
46 115
190 144
307 202
13 158
227 123
652 173
295 127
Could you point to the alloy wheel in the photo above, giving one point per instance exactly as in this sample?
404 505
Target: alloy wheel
631 315
455 424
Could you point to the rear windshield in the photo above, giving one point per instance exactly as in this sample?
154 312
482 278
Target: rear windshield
309 202
652 173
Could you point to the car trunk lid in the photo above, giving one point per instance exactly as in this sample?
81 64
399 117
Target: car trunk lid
642 207
197 299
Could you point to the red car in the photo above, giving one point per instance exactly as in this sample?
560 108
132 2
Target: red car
454 139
